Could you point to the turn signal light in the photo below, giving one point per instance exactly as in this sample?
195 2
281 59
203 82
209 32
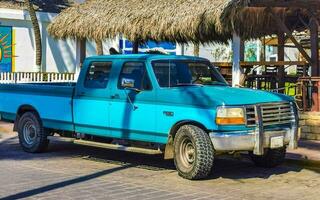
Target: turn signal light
230 121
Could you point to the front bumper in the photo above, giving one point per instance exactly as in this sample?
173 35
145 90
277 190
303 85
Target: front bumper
258 139
246 140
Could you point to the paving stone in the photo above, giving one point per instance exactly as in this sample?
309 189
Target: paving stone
61 173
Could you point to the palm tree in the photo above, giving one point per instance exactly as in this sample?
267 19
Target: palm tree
99 48
37 35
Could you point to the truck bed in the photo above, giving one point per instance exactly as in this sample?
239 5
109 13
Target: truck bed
53 101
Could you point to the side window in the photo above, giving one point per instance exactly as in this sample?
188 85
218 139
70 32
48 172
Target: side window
98 75
166 77
134 75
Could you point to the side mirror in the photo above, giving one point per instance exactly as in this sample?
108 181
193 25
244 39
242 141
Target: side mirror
128 84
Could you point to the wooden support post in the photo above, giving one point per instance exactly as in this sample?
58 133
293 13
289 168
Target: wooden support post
99 47
262 49
315 62
135 47
281 71
264 54
314 39
243 75
236 68
242 50
315 96
196 50
80 54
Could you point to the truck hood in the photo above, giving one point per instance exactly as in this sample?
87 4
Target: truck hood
212 96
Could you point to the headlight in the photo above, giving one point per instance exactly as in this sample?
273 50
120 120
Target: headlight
230 116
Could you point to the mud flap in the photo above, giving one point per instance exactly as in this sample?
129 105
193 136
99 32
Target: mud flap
168 153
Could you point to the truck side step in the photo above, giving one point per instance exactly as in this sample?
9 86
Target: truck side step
118 147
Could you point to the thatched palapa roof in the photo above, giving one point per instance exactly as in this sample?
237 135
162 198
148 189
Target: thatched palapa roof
198 21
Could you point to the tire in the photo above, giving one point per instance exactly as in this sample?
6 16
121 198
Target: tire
32 135
271 158
193 152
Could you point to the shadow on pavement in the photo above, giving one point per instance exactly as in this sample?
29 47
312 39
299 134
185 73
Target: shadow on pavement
310 144
224 167
62 184
11 150
243 168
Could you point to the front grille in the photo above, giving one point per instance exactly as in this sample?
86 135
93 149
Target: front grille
251 115
277 113
272 114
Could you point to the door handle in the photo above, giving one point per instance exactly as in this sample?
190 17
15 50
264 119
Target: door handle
115 96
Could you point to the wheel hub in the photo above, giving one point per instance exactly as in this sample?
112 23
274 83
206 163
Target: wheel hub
187 153
29 133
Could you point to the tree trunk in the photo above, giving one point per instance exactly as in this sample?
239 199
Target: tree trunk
37 34
99 47
196 50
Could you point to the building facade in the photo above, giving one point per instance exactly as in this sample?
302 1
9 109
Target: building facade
17 44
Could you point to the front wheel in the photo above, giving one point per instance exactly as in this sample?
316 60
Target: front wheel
271 158
193 152
32 135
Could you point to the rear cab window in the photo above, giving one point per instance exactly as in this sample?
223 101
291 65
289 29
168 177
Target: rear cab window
98 75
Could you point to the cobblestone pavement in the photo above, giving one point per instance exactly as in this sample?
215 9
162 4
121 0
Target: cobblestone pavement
69 171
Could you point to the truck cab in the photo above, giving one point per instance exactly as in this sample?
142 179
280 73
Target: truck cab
180 103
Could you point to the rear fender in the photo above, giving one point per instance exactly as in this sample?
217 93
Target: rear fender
23 109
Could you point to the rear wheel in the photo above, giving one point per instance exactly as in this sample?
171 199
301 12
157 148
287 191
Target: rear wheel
32 136
193 152
271 158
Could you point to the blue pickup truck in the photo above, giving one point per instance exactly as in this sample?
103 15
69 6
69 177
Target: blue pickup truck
180 104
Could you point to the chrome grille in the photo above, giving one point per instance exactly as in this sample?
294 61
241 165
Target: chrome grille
272 114
251 115
277 113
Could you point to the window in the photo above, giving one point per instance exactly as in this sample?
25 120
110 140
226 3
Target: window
134 75
175 73
98 75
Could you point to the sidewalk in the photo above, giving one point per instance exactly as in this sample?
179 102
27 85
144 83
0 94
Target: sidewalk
5 128
308 153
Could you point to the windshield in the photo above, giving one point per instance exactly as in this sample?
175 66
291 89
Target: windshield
175 73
